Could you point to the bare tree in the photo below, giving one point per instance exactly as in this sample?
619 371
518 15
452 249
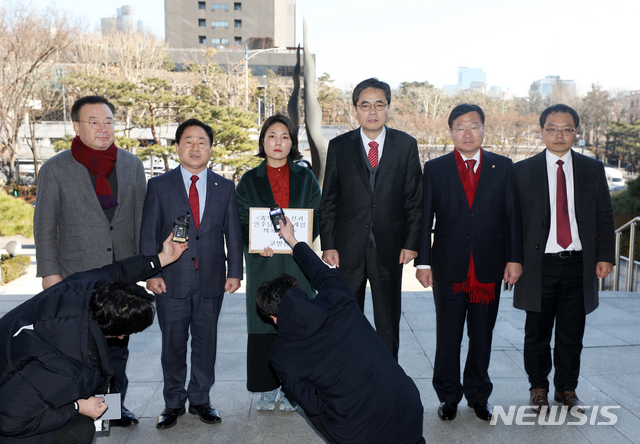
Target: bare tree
30 40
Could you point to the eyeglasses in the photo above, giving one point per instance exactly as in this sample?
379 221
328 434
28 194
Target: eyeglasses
553 132
95 124
462 128
366 106
200 143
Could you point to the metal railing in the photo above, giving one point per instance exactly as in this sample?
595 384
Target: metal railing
632 226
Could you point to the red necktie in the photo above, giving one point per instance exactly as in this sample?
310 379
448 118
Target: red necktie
470 165
194 201
373 153
562 208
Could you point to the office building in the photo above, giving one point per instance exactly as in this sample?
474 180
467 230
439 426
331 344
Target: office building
124 22
258 24
546 85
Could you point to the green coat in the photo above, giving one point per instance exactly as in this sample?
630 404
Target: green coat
253 189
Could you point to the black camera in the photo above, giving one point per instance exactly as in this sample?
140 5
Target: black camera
276 214
181 228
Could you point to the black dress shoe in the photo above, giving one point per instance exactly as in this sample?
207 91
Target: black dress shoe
482 409
168 418
126 419
206 413
447 411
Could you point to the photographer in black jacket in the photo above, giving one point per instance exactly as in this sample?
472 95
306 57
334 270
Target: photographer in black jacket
54 354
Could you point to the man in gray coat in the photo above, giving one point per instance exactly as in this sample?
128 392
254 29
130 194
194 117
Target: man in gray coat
88 211
568 244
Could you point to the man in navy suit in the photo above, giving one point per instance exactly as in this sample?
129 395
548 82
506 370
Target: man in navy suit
477 243
190 292
569 244
371 210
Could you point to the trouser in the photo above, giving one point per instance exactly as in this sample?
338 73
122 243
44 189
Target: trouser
178 317
386 293
562 303
452 309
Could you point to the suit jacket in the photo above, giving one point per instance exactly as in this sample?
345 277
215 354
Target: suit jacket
70 228
333 363
492 225
166 201
349 208
254 190
62 358
594 215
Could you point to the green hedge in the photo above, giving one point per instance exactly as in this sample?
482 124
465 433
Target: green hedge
626 206
16 217
13 267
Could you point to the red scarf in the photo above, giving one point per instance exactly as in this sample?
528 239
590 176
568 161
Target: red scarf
100 163
479 293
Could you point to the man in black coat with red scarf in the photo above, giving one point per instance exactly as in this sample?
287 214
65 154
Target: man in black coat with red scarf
473 196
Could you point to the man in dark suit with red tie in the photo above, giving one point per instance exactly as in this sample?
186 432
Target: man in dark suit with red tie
569 244
191 290
371 210
477 243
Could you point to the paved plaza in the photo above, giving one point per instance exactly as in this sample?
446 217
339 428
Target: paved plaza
610 376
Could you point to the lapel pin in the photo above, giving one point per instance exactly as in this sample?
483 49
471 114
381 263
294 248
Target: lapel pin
493 166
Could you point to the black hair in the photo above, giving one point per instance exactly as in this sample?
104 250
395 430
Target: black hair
194 122
559 108
463 109
121 308
270 294
294 154
89 100
371 83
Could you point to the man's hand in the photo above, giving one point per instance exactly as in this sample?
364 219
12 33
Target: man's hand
286 232
50 280
425 277
603 269
231 285
407 256
157 285
331 257
267 252
92 407
171 251
512 272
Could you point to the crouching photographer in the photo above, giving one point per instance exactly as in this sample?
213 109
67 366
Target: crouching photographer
53 348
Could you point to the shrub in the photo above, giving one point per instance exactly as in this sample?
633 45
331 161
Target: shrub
16 217
13 267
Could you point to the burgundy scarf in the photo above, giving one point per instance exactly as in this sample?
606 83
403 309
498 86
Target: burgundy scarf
479 293
99 163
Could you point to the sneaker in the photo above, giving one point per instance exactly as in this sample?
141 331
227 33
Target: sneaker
287 405
268 400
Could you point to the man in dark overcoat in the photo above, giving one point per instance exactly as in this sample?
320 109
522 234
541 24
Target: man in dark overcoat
333 363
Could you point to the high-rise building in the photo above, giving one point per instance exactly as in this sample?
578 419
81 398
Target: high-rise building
231 28
546 85
257 24
469 79
124 22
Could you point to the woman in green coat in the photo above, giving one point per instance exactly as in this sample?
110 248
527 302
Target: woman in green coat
277 180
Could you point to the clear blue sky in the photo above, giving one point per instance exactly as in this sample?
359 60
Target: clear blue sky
514 41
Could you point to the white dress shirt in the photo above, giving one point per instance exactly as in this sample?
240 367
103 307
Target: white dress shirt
379 139
552 175
201 186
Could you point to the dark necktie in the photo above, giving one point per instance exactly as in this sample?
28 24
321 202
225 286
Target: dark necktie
373 153
562 208
194 201
470 165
